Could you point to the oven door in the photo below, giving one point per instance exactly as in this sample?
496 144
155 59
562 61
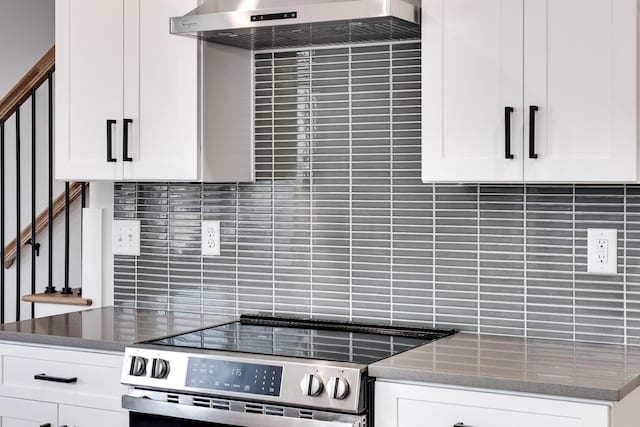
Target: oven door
145 411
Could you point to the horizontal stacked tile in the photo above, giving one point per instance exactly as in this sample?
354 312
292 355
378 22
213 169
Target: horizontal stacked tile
339 225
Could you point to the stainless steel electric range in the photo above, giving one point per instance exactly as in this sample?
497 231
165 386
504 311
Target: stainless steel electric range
262 372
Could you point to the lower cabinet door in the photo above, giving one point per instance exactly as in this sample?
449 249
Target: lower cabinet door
27 413
403 405
75 416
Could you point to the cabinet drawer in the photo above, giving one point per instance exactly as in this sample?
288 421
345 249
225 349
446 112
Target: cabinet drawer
26 413
63 376
405 405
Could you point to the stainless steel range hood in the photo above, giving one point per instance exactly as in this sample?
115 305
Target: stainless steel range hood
273 24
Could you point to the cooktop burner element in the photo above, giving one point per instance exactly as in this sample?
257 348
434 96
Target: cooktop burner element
307 339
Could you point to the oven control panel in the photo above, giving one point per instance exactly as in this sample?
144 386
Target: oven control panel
223 375
333 386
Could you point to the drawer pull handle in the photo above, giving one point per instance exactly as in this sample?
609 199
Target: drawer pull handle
45 377
532 131
45 425
461 425
507 132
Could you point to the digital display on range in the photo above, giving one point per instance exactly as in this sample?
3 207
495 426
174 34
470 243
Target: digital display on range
240 377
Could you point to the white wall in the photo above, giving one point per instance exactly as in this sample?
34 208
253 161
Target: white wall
26 33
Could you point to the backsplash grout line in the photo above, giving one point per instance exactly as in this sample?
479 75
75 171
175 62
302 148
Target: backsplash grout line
624 267
573 256
311 191
350 167
525 275
478 264
433 254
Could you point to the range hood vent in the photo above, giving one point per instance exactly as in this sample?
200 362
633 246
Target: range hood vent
276 24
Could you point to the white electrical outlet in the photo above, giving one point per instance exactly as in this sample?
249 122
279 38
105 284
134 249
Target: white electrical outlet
602 251
126 238
210 238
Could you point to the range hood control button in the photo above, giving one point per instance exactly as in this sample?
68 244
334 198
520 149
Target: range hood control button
311 385
338 388
138 366
160 369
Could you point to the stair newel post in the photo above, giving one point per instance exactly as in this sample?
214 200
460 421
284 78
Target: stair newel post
50 289
18 213
2 206
67 289
34 245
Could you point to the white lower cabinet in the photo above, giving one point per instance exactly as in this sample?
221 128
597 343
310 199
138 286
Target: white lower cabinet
75 416
409 405
27 413
42 386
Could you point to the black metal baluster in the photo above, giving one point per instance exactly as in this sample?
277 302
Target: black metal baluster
50 289
18 213
2 236
34 245
67 289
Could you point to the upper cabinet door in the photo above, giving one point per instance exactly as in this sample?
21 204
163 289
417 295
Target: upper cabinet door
581 74
472 59
89 89
161 93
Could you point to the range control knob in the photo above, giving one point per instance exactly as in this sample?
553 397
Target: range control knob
138 366
311 385
160 369
338 388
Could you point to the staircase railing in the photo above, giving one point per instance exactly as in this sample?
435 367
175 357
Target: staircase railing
10 106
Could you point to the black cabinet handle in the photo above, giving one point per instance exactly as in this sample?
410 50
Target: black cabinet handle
46 425
532 131
461 425
507 132
45 377
110 158
125 141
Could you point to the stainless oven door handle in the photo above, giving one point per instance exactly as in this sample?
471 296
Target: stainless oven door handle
241 419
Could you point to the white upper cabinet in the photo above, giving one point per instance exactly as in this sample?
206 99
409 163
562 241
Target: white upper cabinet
126 91
88 101
568 65
134 102
580 71
161 93
472 81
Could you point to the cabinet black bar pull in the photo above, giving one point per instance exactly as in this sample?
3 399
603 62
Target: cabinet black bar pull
461 425
125 141
45 425
507 132
532 131
45 377
110 158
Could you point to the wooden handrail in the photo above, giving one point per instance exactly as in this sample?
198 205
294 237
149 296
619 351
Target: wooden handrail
32 80
42 221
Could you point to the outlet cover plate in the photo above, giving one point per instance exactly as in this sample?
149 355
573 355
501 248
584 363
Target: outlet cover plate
126 238
210 242
602 251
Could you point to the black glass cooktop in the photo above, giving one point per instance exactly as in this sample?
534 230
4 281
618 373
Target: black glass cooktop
322 340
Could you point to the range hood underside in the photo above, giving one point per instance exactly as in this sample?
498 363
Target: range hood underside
368 30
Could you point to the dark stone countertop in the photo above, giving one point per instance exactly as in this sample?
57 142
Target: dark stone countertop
106 329
569 369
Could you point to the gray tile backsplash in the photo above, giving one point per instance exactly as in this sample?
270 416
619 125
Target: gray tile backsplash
339 225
